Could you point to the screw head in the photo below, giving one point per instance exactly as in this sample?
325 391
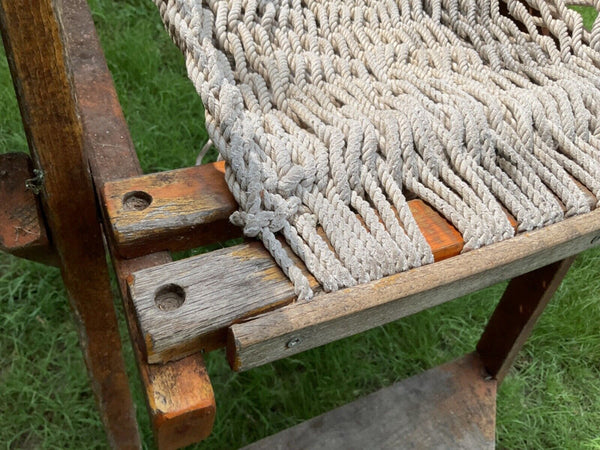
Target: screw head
293 342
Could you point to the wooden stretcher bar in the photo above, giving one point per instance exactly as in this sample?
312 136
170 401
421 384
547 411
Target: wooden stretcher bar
449 406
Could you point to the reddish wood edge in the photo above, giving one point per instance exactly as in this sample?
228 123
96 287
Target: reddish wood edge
22 228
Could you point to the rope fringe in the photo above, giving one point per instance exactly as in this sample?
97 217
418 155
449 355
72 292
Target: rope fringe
328 112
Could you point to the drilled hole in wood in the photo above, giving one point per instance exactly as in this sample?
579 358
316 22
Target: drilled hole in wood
136 200
169 297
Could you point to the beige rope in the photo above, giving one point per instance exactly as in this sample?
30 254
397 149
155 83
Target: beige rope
328 112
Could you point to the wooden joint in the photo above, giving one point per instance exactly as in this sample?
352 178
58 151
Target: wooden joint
22 226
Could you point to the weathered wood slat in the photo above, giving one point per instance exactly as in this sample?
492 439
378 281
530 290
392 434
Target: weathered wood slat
449 406
173 210
179 395
231 284
22 228
301 326
219 288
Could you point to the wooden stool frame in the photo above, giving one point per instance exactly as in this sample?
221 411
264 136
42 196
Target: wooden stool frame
86 165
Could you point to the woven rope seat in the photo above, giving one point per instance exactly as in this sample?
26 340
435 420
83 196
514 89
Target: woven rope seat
360 142
381 158
330 114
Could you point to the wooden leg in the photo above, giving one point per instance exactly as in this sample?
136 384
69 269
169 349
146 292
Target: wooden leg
36 58
179 394
511 323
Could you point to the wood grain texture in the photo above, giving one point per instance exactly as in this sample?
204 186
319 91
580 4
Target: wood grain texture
22 228
346 312
445 240
176 210
232 284
220 287
516 314
449 406
37 61
179 395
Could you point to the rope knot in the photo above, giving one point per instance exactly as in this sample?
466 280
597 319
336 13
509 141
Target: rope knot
254 223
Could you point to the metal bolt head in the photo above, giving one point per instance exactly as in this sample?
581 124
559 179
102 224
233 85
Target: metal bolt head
293 342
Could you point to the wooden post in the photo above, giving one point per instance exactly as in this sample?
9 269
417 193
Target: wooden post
517 312
179 394
36 58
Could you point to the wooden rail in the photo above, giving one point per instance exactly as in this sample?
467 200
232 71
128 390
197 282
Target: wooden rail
301 326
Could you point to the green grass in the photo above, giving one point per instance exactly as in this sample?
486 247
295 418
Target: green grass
551 399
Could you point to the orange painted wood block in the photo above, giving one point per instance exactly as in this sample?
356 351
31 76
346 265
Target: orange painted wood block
181 402
445 241
174 210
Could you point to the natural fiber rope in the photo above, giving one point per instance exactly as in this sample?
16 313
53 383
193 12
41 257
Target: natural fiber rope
328 112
